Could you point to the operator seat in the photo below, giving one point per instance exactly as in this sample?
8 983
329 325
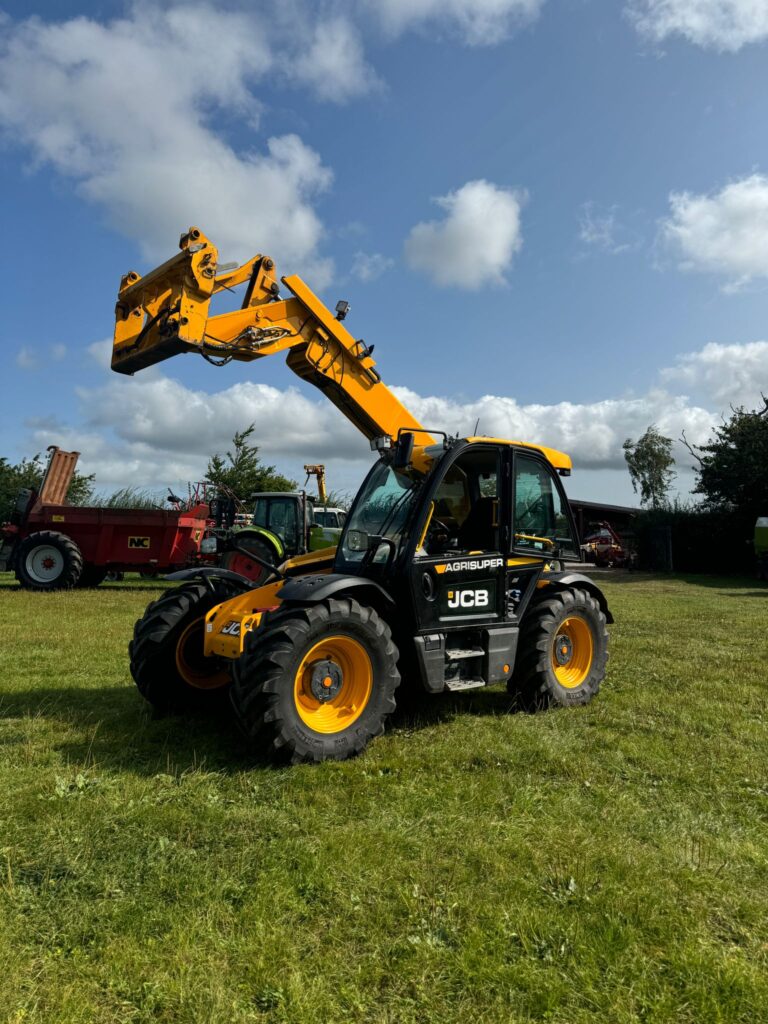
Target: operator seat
480 531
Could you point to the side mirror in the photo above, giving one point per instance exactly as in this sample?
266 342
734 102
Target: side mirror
403 450
380 546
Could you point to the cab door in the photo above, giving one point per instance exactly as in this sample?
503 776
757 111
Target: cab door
543 530
457 571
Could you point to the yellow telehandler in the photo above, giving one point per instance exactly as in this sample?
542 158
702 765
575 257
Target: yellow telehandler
448 573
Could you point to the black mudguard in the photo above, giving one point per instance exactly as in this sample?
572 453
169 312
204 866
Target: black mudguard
578 579
311 589
205 573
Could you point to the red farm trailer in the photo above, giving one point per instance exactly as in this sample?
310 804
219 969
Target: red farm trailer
53 546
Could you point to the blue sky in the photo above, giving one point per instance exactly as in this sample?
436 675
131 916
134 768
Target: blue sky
548 214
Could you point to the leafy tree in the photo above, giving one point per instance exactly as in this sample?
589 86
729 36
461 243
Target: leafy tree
30 473
732 470
650 462
242 471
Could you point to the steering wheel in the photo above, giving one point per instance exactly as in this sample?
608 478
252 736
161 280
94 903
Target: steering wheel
437 536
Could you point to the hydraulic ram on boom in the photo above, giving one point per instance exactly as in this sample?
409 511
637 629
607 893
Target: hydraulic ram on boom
166 312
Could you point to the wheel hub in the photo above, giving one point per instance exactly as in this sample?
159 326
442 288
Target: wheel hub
563 649
325 681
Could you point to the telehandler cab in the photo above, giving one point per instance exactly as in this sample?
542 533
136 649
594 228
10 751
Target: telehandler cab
448 570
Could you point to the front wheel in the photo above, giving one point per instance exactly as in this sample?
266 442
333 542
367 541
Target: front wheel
167 660
316 682
562 652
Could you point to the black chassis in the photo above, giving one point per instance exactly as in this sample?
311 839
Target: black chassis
453 647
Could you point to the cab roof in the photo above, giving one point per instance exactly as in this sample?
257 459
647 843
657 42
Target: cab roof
557 458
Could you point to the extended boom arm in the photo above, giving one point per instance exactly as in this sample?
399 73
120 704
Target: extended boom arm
165 313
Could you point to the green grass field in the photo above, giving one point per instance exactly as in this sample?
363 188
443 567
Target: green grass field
603 864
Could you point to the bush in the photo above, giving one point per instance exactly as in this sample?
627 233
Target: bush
699 540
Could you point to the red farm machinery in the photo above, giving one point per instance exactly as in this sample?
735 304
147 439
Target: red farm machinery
51 545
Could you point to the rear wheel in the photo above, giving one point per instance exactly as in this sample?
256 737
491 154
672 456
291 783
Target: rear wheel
563 650
48 561
167 660
238 561
316 682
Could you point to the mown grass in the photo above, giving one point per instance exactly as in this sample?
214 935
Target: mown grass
602 864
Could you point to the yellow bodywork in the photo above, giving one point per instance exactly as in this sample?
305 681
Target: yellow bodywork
316 562
226 624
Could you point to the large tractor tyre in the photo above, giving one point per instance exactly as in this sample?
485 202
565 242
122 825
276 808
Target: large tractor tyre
316 682
92 576
166 653
48 561
239 562
562 652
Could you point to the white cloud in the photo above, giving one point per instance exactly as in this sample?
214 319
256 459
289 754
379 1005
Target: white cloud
724 233
101 352
727 374
334 63
592 433
129 109
475 242
126 110
137 429
477 22
157 412
724 25
26 359
367 266
600 229
58 352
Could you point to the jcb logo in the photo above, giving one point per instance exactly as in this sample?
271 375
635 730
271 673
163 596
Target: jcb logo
467 599
138 542
232 628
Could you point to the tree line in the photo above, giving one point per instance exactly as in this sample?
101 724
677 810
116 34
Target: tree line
731 469
731 479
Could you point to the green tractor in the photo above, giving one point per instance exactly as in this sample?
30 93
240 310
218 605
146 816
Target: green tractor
283 527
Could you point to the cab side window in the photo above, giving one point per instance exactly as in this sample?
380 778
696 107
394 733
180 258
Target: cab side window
465 514
541 524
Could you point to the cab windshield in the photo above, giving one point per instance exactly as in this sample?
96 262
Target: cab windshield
377 524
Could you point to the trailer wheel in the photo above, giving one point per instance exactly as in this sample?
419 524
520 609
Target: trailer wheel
563 651
316 683
92 576
48 561
166 653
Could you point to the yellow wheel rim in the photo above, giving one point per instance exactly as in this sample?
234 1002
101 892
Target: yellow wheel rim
572 652
333 684
194 668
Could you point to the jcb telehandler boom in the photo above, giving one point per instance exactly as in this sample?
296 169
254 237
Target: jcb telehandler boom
448 569
166 312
